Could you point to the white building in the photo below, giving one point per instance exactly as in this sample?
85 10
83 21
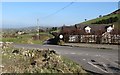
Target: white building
87 29
20 32
110 28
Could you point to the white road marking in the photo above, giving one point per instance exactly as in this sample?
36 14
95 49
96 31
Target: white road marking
97 67
109 60
84 59
105 65
97 55
73 53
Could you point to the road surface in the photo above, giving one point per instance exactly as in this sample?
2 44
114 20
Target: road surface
91 59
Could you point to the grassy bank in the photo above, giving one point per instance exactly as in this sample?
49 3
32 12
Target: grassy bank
105 19
16 60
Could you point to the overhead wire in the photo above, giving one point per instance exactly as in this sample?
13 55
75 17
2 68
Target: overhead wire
59 10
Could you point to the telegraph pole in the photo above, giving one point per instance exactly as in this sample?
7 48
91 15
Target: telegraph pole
38 28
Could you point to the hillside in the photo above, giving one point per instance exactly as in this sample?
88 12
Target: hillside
112 18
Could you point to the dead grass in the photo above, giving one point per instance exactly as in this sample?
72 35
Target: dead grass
36 61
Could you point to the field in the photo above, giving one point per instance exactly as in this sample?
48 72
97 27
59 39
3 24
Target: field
27 38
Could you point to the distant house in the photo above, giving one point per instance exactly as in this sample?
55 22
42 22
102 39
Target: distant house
110 28
111 37
70 33
20 32
41 30
87 29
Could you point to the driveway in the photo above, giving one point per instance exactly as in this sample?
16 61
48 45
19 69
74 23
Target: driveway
91 59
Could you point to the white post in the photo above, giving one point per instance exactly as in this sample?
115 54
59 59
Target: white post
38 27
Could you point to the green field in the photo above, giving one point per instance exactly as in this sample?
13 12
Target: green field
104 18
27 38
98 19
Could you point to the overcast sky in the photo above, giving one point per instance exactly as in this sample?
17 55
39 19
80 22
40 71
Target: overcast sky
25 14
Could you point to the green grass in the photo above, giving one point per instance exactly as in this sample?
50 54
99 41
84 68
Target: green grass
56 30
104 17
98 19
27 39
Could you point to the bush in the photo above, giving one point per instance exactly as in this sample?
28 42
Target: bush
61 42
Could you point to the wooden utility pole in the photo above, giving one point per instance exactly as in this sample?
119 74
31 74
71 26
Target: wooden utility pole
38 34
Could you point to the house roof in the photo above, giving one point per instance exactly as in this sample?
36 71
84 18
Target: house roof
115 31
95 28
70 30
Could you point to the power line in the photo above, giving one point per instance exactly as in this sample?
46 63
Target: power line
59 10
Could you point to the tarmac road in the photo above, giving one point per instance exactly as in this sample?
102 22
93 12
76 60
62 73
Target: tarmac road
91 59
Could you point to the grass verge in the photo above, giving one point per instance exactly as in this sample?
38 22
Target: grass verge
20 60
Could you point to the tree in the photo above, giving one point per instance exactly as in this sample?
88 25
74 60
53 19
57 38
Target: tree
54 28
76 26
100 16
